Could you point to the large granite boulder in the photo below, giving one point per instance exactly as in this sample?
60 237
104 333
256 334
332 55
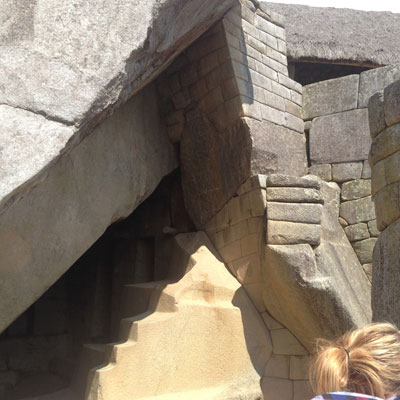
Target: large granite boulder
320 291
340 35
66 171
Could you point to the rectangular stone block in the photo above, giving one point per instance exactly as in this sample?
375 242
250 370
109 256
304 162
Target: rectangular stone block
275 388
385 144
392 103
254 182
293 108
294 212
294 195
324 171
257 200
357 232
355 211
373 229
331 96
343 172
273 100
366 172
356 189
376 80
387 203
231 252
376 114
294 123
341 137
280 180
302 390
378 177
273 115
266 71
299 367
276 149
284 342
392 168
279 232
247 269
276 66
364 250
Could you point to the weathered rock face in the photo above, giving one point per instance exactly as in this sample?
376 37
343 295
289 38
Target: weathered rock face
384 157
100 181
321 292
351 36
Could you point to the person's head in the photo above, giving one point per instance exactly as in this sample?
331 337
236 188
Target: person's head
365 360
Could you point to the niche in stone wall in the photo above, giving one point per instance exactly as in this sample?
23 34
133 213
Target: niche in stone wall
40 350
311 72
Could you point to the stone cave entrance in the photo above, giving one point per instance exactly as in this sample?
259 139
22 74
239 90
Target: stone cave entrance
39 351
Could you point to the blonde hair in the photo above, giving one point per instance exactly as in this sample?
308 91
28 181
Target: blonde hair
365 360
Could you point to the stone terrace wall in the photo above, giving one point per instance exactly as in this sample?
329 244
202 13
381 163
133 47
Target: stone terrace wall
228 99
339 142
384 118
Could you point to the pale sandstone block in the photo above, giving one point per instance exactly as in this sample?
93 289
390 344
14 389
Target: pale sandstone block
302 390
250 244
241 71
373 229
279 232
376 114
366 172
356 189
281 90
271 41
234 30
270 322
364 250
330 96
284 342
392 168
282 46
294 195
247 269
233 41
278 67
239 209
294 212
279 180
343 172
273 115
255 43
277 367
250 29
357 232
258 201
259 79
355 211
392 103
385 144
251 52
387 203
231 252
290 83
239 230
324 171
276 55
378 177
217 238
296 97
275 388
299 367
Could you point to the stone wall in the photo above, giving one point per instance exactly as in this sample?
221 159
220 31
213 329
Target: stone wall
229 103
384 118
337 127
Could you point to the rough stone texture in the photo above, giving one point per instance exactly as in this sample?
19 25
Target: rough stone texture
357 232
305 293
385 275
343 172
373 229
329 97
294 195
275 388
305 213
364 250
282 232
324 171
376 114
278 180
227 157
366 172
376 80
385 144
352 36
276 150
356 189
342 137
392 103
360 210
100 181
387 204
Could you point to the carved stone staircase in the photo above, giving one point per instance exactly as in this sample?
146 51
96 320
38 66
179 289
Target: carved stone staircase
197 337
